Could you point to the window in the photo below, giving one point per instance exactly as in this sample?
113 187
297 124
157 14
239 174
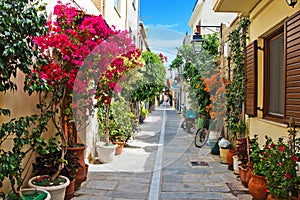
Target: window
274 94
117 5
134 4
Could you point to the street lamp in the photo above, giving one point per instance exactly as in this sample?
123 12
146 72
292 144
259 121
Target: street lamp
198 40
291 2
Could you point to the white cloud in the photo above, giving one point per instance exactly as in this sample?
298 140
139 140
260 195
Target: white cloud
161 25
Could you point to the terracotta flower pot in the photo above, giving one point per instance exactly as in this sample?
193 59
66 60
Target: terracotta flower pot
245 172
230 155
80 175
70 190
257 187
119 148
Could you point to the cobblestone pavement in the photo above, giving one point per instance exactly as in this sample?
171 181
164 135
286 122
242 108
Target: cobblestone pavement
162 163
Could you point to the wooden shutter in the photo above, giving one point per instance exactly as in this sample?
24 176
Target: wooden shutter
251 79
292 42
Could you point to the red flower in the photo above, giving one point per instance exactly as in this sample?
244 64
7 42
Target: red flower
273 145
266 190
267 147
294 158
287 175
279 163
281 148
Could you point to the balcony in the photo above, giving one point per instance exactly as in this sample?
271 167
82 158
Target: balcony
236 6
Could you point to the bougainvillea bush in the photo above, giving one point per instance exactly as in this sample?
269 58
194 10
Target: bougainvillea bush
83 60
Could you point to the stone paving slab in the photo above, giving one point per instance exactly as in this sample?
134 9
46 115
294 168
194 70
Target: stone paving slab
197 195
129 175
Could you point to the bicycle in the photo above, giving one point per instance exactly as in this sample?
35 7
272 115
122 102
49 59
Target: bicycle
202 133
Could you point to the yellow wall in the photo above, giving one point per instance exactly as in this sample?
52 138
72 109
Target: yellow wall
20 104
264 18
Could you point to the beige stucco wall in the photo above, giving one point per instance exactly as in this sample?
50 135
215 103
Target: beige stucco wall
20 104
264 18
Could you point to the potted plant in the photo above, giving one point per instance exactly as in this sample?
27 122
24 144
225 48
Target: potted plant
258 183
47 164
19 135
245 167
107 87
30 193
281 174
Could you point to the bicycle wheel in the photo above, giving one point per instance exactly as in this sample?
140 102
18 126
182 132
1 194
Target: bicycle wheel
201 137
183 125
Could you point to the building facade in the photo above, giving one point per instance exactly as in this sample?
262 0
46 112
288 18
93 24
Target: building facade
203 15
272 64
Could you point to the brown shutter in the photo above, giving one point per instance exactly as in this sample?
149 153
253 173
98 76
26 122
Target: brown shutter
251 79
292 42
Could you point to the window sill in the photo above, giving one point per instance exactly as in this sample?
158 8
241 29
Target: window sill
274 123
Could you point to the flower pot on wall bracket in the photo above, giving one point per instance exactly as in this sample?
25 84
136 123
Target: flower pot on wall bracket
80 175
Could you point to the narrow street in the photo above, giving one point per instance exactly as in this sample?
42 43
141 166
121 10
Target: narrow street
162 163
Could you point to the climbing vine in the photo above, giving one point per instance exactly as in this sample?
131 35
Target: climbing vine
235 94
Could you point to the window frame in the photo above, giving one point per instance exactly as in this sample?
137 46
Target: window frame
266 97
117 6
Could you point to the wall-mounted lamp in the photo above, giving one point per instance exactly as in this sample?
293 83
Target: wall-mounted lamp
198 40
291 2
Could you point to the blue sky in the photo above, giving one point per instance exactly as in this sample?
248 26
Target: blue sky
171 14
166 22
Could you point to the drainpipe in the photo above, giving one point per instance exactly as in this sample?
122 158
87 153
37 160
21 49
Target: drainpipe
126 16
103 8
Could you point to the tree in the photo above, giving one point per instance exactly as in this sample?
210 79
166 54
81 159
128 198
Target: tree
153 77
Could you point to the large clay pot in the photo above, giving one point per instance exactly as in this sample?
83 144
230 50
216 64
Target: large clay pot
70 190
245 172
80 175
257 187
230 155
57 192
119 148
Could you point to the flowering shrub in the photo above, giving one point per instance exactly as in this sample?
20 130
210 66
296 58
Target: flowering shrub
83 60
214 86
281 173
201 92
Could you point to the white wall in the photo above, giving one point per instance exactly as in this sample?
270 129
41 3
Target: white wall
203 13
